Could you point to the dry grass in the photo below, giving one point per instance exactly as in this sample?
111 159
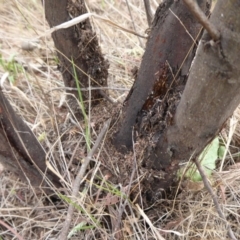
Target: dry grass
33 74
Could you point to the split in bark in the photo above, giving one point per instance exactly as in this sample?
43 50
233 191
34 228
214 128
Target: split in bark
150 108
169 53
178 124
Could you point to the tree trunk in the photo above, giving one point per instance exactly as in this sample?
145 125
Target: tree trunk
168 55
212 91
20 152
209 98
178 127
78 45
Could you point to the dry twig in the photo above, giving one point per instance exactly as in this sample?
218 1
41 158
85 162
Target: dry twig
89 88
78 180
134 27
11 230
82 18
123 205
148 12
214 198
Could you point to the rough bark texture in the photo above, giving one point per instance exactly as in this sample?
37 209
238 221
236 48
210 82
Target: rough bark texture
20 151
80 45
168 45
212 91
209 98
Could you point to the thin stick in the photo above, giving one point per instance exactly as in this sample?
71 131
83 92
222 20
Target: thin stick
123 205
201 17
214 197
134 28
149 222
83 17
78 180
88 88
148 12
11 230
183 26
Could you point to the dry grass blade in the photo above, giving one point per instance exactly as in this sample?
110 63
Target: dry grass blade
183 26
123 205
155 231
232 128
78 180
11 229
214 197
83 17
130 13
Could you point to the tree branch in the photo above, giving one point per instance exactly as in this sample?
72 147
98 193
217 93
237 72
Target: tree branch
201 17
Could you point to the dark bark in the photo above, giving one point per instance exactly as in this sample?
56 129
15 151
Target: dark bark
166 49
20 151
209 98
212 91
80 45
151 106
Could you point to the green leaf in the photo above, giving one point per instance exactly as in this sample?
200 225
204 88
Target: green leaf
208 162
81 226
42 137
221 151
210 154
